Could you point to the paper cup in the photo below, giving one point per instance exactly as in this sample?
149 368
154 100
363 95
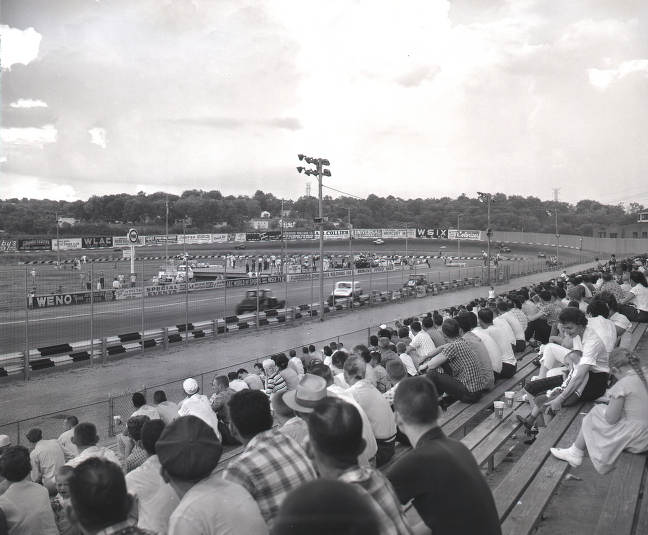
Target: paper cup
509 396
499 408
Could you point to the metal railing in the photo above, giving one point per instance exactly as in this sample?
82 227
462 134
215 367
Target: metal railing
102 412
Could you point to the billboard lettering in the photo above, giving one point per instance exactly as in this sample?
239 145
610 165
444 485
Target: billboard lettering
300 235
122 241
96 242
66 299
161 239
8 245
194 238
66 244
363 233
454 234
336 234
433 233
221 238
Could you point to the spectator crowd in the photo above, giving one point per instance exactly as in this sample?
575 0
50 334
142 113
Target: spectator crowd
315 431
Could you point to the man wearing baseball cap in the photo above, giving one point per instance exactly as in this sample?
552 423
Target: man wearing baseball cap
198 405
189 451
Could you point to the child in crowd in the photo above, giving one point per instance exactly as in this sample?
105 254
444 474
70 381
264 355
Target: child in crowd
61 501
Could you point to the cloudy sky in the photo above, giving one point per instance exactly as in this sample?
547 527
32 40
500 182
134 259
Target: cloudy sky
414 99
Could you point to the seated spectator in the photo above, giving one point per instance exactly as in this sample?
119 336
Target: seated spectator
403 335
337 368
156 500
275 382
467 321
272 464
516 311
85 438
196 404
509 363
65 438
327 352
61 502
621 322
373 343
5 443
142 408
289 422
621 425
379 372
235 383
138 454
375 406
368 454
638 297
396 372
421 346
465 381
504 312
258 370
288 373
335 430
46 458
324 508
100 503
189 451
253 381
219 400
504 326
25 505
295 363
168 410
610 285
440 474
430 327
385 348
592 370
401 349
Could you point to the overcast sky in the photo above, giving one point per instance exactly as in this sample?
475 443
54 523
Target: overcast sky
412 99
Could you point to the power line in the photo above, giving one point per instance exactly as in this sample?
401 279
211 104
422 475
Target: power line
343 192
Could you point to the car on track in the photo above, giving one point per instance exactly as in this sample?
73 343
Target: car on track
378 241
239 246
267 301
541 255
344 289
413 282
505 249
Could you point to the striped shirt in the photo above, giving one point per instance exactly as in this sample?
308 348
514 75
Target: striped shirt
275 384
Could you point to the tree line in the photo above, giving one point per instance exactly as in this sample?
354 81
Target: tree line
210 211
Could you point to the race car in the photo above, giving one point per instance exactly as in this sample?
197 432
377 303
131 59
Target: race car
541 255
413 282
378 241
345 289
267 300
239 246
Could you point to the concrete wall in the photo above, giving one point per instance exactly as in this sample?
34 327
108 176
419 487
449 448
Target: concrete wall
601 246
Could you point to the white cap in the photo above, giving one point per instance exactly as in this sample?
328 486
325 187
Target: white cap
383 326
190 386
5 441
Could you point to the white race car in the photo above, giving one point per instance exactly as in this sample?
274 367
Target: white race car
378 241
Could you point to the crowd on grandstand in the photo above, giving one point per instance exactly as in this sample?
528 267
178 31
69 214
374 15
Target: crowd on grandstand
312 435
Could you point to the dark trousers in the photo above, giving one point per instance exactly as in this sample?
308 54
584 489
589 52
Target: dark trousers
386 449
227 438
508 371
520 345
455 389
538 329
594 389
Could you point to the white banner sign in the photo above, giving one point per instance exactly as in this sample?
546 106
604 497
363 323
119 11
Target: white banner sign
122 241
454 234
398 233
65 244
195 238
240 236
367 233
218 238
336 234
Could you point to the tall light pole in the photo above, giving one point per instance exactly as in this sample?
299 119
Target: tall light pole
166 237
458 237
555 192
319 172
186 261
58 243
351 259
488 199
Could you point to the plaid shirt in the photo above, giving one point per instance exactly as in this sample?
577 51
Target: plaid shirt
464 365
271 466
383 499
128 527
136 458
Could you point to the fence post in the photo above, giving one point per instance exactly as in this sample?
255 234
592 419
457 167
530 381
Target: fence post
165 337
18 433
214 327
104 350
111 416
26 365
368 335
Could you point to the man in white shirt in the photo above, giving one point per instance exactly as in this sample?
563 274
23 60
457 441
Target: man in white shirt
157 500
509 363
503 325
198 405
142 408
401 348
85 438
375 406
189 452
46 458
504 311
168 410
422 345
65 439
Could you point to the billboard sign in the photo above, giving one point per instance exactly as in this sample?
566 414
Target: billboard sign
96 242
454 234
161 239
122 241
300 235
336 234
66 244
364 233
35 244
66 299
432 233
8 245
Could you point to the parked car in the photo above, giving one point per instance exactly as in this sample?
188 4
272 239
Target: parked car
345 289
267 300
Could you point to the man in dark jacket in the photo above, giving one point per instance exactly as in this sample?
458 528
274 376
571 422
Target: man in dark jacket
440 474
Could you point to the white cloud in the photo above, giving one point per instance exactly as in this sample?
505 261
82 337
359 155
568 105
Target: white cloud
18 46
98 136
32 136
15 185
602 78
28 103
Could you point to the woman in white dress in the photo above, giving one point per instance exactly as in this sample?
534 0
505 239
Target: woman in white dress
622 425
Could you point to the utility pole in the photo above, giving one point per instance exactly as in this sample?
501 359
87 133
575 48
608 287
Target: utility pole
488 199
58 243
458 238
351 259
555 192
319 172
186 262
166 238
284 260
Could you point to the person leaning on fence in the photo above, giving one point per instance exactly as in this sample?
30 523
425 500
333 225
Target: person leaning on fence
25 506
65 439
197 404
189 451
440 474
335 431
621 425
168 410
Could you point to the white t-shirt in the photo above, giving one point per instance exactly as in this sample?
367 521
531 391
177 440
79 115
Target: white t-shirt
423 344
515 325
408 363
641 297
501 323
605 329
620 321
491 346
503 342
594 350
198 405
